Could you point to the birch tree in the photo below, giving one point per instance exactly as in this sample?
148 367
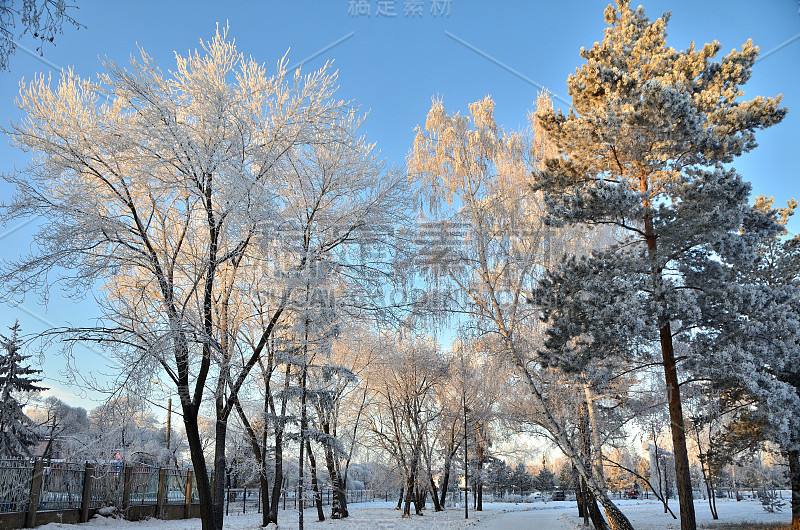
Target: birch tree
489 244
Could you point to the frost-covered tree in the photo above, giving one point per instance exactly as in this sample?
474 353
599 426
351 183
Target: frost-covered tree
487 244
645 148
56 420
402 410
17 431
759 349
160 187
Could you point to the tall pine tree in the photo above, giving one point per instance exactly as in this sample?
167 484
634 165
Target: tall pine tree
17 432
646 150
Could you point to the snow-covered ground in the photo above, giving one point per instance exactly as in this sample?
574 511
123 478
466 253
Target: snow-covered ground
644 514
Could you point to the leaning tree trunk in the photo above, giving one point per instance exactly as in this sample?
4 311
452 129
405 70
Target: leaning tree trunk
682 472
617 520
590 502
434 494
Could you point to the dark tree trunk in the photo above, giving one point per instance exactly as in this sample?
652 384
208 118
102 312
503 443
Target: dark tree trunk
434 495
301 461
339 501
579 495
479 475
594 512
220 432
409 494
682 472
199 465
279 429
312 464
794 476
683 475
259 451
445 482
400 500
419 499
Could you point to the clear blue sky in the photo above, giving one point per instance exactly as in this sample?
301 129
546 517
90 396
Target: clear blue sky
392 66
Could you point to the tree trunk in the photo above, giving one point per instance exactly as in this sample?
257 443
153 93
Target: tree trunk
220 433
479 476
312 464
445 481
339 501
683 475
400 500
199 465
579 495
300 463
590 502
419 500
280 425
585 496
259 451
437 507
682 472
794 476
409 493
597 447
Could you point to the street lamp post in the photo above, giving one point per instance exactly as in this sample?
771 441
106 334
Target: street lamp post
466 454
169 414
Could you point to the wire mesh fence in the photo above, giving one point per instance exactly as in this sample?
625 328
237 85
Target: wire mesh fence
15 485
144 485
107 486
62 486
72 486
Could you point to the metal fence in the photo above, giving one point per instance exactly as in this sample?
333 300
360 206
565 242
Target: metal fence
62 486
30 487
15 485
70 486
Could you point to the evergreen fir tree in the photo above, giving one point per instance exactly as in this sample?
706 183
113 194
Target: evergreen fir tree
646 150
17 432
544 480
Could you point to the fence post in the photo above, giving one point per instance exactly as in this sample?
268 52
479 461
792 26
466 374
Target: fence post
86 496
188 502
127 478
36 488
162 483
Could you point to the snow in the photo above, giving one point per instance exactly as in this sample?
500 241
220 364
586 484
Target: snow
644 515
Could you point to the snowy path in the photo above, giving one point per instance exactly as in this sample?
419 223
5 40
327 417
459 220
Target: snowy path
644 514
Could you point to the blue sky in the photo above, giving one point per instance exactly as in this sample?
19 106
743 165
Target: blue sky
392 66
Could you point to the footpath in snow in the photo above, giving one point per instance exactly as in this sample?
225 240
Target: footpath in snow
644 514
